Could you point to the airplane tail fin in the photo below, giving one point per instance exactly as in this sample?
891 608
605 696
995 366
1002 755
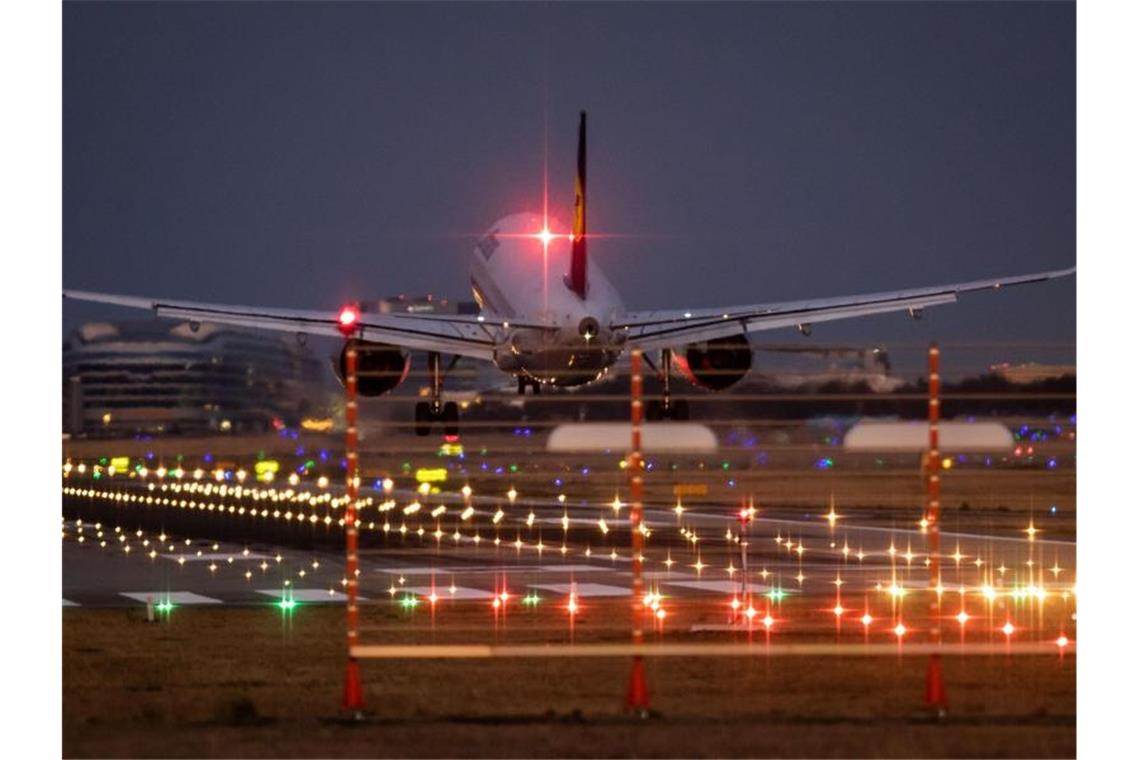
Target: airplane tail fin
576 280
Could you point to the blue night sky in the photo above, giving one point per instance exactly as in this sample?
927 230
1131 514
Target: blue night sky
305 154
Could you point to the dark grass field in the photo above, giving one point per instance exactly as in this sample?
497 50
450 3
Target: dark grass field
247 682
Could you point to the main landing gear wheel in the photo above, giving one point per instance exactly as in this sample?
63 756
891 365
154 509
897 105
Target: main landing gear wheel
451 418
424 418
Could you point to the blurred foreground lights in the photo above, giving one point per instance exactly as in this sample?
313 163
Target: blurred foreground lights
1008 629
867 619
768 621
1062 641
962 617
838 610
900 630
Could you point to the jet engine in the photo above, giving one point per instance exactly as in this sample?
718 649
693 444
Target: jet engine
379 367
715 364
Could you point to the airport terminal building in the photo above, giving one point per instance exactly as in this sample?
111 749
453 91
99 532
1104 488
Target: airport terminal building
159 377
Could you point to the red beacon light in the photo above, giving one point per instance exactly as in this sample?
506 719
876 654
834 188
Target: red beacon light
346 320
545 235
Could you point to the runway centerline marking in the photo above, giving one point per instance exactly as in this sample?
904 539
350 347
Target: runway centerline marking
174 597
309 595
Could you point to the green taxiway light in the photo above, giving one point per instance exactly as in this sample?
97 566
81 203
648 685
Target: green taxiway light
164 606
409 602
286 604
531 599
776 594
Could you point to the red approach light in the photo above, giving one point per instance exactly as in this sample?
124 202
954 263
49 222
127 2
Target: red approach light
347 319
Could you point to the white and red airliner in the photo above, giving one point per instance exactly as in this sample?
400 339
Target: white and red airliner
549 316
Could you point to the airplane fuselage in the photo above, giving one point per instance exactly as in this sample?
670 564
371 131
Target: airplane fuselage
546 332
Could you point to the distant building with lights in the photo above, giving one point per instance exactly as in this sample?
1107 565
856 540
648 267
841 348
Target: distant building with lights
161 377
810 367
1032 372
428 304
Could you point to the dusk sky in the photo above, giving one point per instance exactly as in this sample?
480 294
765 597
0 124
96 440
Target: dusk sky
307 154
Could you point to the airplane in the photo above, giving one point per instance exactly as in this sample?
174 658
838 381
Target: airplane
560 331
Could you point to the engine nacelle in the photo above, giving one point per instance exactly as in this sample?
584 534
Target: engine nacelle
715 364
379 367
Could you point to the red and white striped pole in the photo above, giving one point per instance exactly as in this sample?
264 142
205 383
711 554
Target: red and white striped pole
637 698
353 691
935 684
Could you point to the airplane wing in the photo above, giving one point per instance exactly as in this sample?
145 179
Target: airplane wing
466 335
649 330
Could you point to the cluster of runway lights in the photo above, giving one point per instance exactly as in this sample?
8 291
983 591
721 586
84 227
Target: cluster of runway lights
208 491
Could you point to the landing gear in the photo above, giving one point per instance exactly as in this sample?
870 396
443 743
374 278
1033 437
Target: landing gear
677 411
451 419
525 383
424 418
429 412
667 408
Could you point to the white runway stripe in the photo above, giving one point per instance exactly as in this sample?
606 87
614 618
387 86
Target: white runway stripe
174 597
584 589
574 569
443 572
307 594
462 593
727 587
215 557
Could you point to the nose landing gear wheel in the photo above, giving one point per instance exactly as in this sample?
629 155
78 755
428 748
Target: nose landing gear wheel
451 418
